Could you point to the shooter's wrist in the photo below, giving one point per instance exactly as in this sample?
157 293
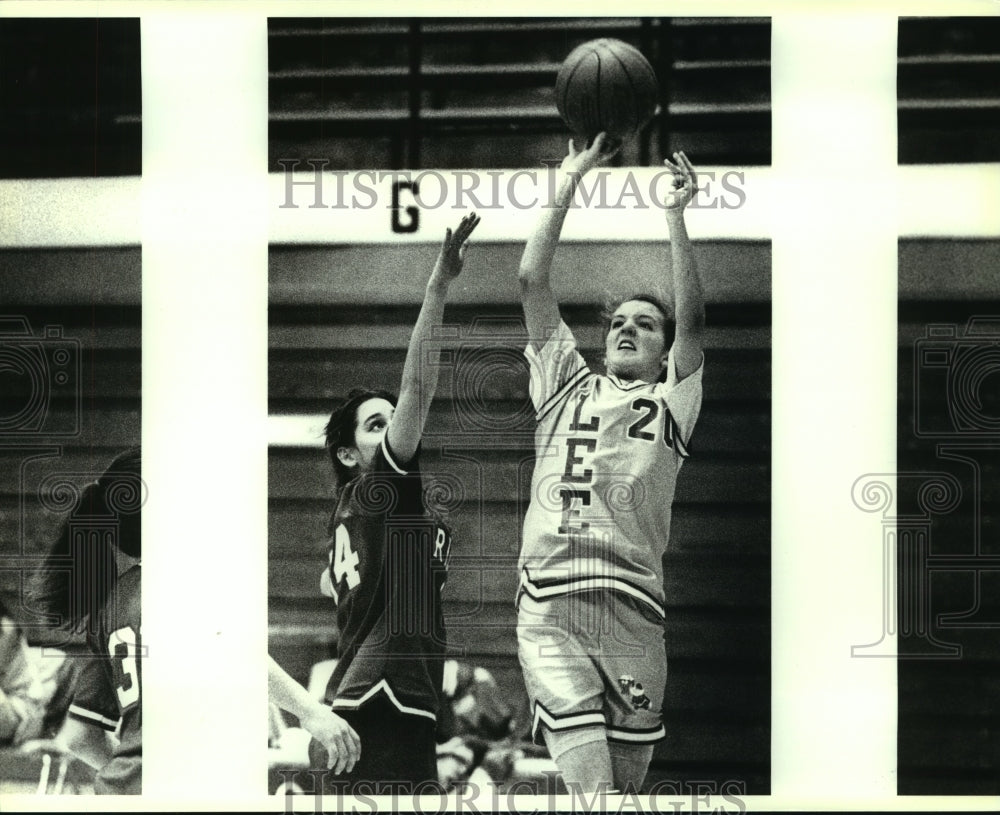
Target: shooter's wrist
675 218
568 181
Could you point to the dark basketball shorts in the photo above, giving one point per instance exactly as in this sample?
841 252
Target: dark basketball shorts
398 752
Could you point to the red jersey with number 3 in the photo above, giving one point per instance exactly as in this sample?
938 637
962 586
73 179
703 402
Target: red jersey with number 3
387 565
109 687
608 454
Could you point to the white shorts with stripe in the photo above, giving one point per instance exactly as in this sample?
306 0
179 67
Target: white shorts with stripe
593 659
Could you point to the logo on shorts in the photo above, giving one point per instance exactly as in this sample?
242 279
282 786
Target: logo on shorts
631 688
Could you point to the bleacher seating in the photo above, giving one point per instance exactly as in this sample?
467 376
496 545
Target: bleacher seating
77 112
949 716
948 84
446 93
101 312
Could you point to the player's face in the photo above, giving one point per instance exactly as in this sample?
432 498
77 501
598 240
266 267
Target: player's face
635 347
373 419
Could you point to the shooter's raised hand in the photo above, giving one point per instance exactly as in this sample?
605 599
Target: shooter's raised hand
600 152
685 183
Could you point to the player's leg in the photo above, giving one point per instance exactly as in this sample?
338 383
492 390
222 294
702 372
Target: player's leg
565 690
629 764
583 758
634 660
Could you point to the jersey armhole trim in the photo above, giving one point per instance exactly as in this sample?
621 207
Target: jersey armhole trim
389 457
680 445
578 376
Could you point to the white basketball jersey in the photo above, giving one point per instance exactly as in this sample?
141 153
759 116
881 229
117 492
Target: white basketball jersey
608 453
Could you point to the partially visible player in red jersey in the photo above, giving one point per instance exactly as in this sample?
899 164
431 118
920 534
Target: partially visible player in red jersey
609 447
90 583
387 565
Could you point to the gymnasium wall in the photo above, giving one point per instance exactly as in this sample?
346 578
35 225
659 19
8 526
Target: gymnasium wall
92 297
947 548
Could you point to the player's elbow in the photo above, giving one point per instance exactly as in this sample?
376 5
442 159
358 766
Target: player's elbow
529 274
531 280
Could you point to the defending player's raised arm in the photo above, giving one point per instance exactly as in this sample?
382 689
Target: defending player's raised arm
541 310
689 301
420 380
343 747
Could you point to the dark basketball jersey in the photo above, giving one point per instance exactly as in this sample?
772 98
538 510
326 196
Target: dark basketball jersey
387 565
109 688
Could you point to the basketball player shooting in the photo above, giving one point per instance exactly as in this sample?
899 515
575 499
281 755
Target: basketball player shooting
586 553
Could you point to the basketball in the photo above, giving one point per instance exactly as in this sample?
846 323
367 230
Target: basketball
606 85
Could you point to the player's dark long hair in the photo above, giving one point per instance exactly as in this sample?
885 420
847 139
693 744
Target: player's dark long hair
669 326
340 432
342 425
79 572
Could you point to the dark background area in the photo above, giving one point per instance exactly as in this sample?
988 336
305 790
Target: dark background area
467 92
948 549
948 82
70 98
